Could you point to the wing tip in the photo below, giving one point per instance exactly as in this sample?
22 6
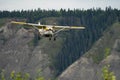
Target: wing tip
77 27
15 22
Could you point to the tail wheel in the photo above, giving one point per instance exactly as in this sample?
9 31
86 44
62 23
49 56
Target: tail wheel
50 37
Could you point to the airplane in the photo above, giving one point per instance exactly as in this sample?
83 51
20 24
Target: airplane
47 30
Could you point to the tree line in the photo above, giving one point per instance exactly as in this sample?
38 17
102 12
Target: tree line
37 14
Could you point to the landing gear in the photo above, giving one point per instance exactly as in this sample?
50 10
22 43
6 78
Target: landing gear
50 37
54 38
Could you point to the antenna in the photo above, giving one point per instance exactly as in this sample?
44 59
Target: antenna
39 23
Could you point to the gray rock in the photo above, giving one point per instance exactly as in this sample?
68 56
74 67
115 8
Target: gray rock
18 53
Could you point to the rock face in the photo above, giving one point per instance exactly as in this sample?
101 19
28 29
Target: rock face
86 67
21 51
18 52
82 69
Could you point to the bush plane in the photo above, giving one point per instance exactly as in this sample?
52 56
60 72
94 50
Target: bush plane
47 30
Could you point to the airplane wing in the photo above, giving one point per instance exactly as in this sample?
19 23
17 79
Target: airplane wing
61 28
39 26
68 27
29 24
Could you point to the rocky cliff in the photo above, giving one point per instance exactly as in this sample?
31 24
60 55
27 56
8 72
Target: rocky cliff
89 66
22 51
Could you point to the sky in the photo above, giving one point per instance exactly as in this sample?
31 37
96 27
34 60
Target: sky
57 4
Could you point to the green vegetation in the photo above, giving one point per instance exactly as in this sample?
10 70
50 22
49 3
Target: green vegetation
20 76
2 21
2 75
107 52
107 74
99 57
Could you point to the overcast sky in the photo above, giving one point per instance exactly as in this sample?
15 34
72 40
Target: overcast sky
57 4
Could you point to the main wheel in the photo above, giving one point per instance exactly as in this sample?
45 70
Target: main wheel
54 39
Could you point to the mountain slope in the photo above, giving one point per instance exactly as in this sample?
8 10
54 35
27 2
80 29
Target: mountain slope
22 51
89 66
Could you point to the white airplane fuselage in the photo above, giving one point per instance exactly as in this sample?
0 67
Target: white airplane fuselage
46 33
